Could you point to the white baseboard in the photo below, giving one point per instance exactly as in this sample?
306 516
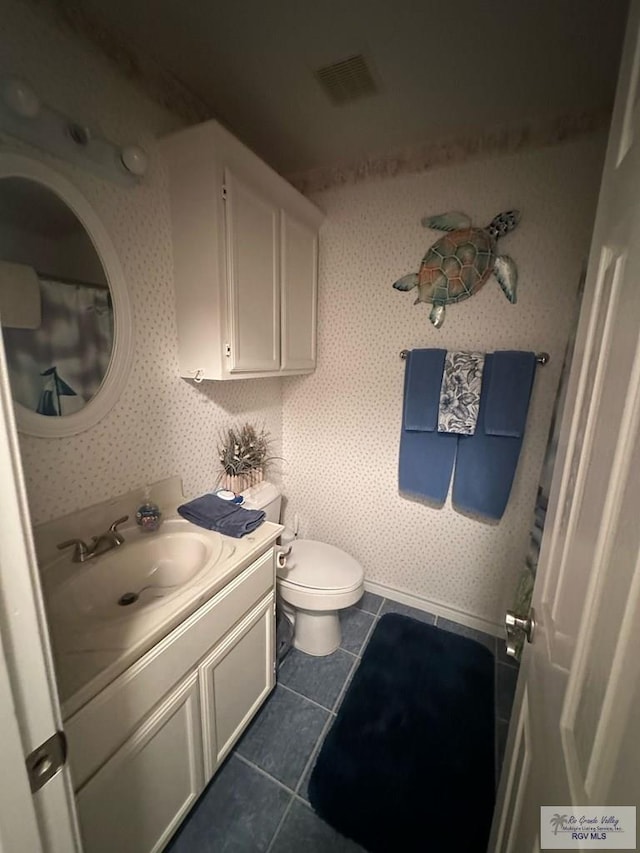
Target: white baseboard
435 607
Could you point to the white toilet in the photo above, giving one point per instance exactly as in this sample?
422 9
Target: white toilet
317 581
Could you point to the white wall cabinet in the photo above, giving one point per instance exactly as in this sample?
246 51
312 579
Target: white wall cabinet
299 263
245 248
140 754
253 264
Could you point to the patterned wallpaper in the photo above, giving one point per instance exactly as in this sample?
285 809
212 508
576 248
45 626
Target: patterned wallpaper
341 425
162 425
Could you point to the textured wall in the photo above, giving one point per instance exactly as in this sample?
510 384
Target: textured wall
341 425
161 425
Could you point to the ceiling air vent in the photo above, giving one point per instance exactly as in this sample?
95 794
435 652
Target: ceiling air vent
347 80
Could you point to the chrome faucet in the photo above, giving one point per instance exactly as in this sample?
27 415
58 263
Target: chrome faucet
111 538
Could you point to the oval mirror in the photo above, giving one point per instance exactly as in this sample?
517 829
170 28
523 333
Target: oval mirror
64 309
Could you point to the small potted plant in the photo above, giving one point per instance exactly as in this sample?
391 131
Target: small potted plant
244 456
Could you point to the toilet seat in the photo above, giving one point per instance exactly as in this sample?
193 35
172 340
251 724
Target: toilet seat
322 568
319 580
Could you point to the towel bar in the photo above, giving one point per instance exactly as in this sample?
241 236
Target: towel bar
541 357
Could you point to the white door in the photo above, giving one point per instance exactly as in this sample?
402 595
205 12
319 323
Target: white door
299 293
575 732
29 708
253 260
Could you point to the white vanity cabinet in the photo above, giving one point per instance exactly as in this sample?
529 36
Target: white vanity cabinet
235 679
143 749
245 250
137 800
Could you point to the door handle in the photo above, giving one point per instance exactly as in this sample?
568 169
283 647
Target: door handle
515 623
518 623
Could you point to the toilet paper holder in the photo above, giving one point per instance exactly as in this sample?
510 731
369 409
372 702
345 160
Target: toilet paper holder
281 558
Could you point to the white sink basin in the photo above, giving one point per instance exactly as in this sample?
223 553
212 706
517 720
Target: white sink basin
141 574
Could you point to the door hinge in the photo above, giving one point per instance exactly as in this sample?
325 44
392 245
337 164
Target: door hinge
224 192
45 761
227 350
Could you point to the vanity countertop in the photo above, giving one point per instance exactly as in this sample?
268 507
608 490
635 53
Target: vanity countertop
90 655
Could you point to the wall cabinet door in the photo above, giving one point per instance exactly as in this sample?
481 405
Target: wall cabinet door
252 236
137 799
299 289
234 223
235 680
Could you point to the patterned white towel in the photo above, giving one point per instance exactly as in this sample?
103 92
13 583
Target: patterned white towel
460 392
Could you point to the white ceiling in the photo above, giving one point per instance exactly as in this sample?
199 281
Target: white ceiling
444 67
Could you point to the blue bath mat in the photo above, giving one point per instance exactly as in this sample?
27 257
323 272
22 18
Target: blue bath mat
408 764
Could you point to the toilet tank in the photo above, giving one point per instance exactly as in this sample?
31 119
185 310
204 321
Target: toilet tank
264 496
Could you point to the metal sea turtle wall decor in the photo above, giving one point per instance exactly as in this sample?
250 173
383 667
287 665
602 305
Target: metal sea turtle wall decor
460 262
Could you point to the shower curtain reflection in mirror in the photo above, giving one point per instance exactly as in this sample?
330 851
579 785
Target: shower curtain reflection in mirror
57 368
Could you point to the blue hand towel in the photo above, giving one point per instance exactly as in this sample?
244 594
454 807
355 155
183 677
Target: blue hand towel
214 513
486 464
509 392
421 402
426 455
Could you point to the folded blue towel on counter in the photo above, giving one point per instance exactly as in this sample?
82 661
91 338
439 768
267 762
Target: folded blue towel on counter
214 513
426 455
486 464
508 393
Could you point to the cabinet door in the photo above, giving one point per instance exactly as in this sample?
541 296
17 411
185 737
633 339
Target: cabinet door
136 800
253 276
235 680
299 246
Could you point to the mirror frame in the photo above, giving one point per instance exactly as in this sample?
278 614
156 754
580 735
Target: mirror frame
31 423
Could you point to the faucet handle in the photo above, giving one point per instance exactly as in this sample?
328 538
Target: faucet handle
81 551
114 527
118 538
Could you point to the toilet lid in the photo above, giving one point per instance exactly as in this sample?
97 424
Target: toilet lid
318 565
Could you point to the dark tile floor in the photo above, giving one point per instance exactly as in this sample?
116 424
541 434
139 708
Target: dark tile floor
257 802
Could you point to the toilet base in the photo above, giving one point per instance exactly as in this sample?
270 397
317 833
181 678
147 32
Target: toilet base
317 632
